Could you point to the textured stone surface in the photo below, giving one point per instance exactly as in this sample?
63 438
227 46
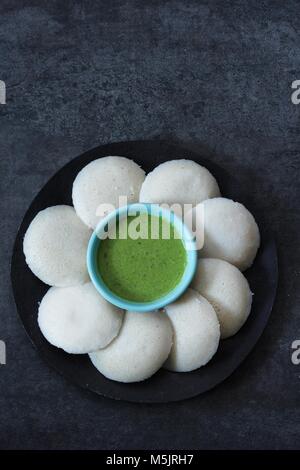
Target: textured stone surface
212 75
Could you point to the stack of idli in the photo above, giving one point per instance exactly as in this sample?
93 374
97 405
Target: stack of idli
227 290
55 246
130 346
230 231
141 348
196 332
78 319
98 187
179 182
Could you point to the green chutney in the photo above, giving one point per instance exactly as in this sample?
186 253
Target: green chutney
146 267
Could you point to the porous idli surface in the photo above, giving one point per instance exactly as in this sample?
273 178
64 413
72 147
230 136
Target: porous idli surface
55 246
227 290
179 182
139 350
230 232
78 319
101 183
196 332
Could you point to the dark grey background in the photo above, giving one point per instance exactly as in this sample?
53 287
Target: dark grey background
213 75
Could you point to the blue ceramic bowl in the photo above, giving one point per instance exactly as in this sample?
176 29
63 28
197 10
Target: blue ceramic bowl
154 210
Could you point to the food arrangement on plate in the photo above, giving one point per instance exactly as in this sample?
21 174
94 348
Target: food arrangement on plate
197 301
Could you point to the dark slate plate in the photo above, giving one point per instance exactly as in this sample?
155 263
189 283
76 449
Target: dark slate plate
164 386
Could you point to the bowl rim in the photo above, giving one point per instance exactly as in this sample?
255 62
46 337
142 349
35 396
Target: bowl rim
189 272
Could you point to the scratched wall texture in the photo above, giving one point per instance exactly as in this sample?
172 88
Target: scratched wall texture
214 76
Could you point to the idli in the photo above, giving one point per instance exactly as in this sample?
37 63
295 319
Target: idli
196 332
230 232
227 290
179 182
98 186
140 349
55 246
78 319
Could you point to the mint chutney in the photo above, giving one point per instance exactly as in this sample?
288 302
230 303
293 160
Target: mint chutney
142 269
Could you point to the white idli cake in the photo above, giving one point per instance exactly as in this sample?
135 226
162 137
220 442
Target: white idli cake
55 246
103 181
78 319
230 232
179 182
196 332
140 349
227 289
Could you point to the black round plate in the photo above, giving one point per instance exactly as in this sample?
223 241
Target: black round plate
164 386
